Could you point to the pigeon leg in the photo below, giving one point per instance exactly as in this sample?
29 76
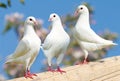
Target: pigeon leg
49 64
86 56
59 70
59 60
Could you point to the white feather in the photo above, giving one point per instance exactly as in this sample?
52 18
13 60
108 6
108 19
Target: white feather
85 36
56 41
28 47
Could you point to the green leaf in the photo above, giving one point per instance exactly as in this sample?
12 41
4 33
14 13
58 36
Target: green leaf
3 5
7 27
9 3
22 1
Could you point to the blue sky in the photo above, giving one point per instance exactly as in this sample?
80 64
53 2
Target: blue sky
107 15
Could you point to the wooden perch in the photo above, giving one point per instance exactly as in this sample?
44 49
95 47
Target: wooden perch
104 70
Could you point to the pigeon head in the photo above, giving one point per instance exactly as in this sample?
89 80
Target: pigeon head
53 17
82 9
31 20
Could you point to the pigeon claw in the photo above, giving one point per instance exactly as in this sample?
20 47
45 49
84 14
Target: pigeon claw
34 74
50 69
29 75
59 70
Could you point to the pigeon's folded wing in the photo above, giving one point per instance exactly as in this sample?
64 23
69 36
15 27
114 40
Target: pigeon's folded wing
47 43
88 35
22 48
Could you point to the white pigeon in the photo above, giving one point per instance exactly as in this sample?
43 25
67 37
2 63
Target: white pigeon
85 36
28 47
56 42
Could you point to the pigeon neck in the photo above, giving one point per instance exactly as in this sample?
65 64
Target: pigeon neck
29 29
57 25
83 19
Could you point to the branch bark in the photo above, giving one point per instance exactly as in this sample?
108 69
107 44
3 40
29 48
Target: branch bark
107 69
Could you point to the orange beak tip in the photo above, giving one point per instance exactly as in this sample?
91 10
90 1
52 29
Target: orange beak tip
50 19
76 14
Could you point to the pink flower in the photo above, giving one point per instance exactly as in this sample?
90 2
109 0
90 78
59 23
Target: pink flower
77 53
2 78
13 72
14 17
40 21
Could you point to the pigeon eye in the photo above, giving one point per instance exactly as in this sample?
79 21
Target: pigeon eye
81 8
54 16
30 19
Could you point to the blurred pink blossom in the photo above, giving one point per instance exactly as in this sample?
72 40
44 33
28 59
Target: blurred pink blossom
14 17
77 53
20 31
13 72
40 21
2 78
41 32
92 21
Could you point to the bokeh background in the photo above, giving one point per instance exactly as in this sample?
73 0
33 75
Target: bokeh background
104 19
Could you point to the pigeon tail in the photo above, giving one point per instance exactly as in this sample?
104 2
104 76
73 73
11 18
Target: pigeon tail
95 46
109 42
17 60
10 59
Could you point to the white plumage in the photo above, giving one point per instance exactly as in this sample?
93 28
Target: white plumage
85 36
28 47
56 42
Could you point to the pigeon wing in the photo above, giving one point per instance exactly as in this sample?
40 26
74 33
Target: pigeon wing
22 48
47 43
88 35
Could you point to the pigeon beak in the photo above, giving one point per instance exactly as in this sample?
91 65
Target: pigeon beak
76 13
35 23
50 19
